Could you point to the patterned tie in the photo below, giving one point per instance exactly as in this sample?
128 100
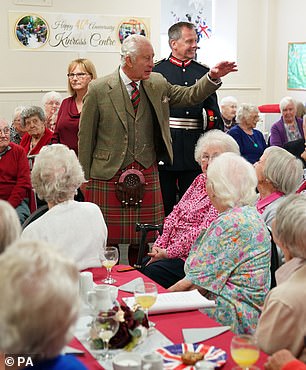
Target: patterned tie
135 96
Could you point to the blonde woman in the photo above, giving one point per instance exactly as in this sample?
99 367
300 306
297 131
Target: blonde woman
80 73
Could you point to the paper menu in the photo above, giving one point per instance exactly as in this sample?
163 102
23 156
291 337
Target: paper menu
176 302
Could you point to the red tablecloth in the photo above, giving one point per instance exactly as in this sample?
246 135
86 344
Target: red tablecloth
170 325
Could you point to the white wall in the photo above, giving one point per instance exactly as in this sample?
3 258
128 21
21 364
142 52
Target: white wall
289 26
264 28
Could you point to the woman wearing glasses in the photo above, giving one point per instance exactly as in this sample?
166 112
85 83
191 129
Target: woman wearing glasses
80 73
251 141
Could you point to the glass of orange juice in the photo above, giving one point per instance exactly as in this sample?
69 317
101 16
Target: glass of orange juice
244 351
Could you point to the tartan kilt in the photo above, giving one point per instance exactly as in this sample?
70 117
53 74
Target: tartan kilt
121 221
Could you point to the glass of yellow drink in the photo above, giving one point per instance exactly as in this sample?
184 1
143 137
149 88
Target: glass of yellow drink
145 295
244 351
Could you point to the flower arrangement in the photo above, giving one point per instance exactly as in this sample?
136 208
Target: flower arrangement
133 324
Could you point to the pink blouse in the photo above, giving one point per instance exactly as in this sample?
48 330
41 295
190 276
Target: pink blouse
189 217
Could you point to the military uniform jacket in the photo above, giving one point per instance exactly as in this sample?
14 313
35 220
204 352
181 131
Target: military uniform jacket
103 139
184 140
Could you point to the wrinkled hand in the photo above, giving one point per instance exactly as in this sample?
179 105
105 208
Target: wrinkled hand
278 360
182 285
156 254
222 69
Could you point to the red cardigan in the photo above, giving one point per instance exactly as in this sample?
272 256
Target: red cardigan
15 182
26 141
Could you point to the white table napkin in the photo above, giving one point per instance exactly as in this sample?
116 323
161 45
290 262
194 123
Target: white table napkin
130 286
195 335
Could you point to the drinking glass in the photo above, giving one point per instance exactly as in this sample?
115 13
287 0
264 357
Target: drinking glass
106 326
244 351
109 257
145 295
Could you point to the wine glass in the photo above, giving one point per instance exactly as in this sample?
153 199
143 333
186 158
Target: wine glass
145 295
244 351
109 257
106 326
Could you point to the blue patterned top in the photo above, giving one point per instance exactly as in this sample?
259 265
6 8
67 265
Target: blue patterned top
231 260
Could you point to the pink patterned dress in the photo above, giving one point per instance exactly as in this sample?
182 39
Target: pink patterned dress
182 226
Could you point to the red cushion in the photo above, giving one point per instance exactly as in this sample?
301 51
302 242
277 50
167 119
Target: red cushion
269 108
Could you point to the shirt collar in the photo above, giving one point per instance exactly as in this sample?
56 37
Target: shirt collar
5 150
126 80
179 62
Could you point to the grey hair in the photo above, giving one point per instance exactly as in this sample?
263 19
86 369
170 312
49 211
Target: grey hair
10 228
282 169
245 110
18 111
175 31
289 218
30 112
31 271
233 180
285 101
56 174
51 95
131 47
228 100
215 138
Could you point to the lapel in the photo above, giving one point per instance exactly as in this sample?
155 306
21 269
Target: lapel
116 95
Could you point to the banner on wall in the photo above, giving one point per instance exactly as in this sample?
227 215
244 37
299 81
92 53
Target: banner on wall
73 32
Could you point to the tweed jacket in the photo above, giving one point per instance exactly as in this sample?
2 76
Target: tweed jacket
103 133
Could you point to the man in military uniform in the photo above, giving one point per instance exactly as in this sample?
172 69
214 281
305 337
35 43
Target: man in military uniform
186 124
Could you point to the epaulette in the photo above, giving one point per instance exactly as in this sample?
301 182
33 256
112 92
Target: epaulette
159 61
201 64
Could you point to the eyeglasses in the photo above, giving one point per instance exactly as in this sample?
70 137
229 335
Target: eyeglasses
5 131
53 103
80 75
207 158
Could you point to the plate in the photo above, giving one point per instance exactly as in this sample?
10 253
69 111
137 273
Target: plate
172 355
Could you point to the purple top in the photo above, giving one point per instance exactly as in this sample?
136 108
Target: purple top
278 132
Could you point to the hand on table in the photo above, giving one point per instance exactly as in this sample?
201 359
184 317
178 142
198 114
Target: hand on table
278 360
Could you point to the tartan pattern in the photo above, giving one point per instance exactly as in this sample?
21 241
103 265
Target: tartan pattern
121 221
135 96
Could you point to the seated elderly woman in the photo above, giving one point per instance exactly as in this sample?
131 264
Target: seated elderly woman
251 141
289 127
230 261
37 135
16 131
77 228
33 272
283 320
51 103
193 213
15 182
10 228
228 107
279 173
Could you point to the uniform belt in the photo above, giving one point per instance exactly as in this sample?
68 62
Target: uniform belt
185 123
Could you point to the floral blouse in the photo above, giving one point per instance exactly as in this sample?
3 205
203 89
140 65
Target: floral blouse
182 226
231 260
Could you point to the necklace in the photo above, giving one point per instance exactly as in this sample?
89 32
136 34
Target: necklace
253 141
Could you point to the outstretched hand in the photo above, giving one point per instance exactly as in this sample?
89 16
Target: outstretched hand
222 69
